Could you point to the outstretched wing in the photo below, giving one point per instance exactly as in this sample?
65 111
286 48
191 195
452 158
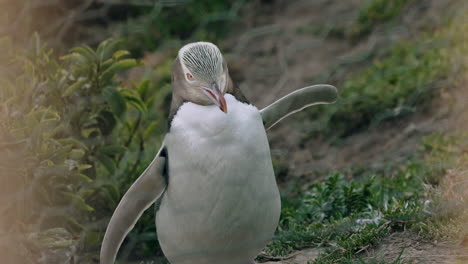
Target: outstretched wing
297 101
144 192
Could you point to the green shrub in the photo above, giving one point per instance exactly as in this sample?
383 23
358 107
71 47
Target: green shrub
73 138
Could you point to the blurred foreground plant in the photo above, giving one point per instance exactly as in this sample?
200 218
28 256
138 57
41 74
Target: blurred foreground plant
71 137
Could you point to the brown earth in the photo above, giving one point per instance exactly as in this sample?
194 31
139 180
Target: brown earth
412 248
271 56
405 246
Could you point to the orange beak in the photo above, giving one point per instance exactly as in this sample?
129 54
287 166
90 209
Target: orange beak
216 96
222 103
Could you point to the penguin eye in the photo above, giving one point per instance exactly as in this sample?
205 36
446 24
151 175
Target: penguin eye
190 77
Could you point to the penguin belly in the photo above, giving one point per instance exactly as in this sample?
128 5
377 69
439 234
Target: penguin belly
222 204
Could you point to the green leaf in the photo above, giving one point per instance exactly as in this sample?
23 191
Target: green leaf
107 162
82 177
119 54
118 67
103 46
87 132
72 141
72 223
107 48
86 52
77 154
74 57
111 195
113 149
72 88
143 88
149 130
83 167
78 201
113 191
59 154
116 101
106 64
134 99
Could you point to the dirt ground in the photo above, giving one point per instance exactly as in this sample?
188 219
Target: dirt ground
271 56
412 249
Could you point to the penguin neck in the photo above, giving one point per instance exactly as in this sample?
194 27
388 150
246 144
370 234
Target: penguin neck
209 120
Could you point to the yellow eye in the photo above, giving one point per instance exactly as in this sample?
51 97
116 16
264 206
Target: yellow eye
190 77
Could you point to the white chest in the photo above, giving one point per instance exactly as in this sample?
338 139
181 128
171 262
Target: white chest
222 190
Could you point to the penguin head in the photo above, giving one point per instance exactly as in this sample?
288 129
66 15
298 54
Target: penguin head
200 75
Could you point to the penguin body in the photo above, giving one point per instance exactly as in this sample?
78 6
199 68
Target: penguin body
213 173
222 204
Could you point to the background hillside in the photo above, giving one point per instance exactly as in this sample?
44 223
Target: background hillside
379 177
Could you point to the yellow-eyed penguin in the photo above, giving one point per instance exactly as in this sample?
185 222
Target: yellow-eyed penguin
213 174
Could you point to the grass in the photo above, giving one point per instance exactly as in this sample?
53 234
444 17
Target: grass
347 216
370 15
399 83
373 13
343 212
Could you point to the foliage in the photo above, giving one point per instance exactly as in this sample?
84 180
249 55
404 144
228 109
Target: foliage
391 87
370 15
375 12
206 20
339 208
450 199
348 215
75 128
399 82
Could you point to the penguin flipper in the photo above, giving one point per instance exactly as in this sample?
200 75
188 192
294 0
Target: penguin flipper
139 197
297 101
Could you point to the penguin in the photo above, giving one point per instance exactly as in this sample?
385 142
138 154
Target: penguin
212 176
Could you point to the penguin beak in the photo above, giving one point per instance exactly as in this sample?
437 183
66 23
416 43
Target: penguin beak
216 96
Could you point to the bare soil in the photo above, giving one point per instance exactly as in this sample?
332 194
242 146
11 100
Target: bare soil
405 246
277 52
412 248
299 257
